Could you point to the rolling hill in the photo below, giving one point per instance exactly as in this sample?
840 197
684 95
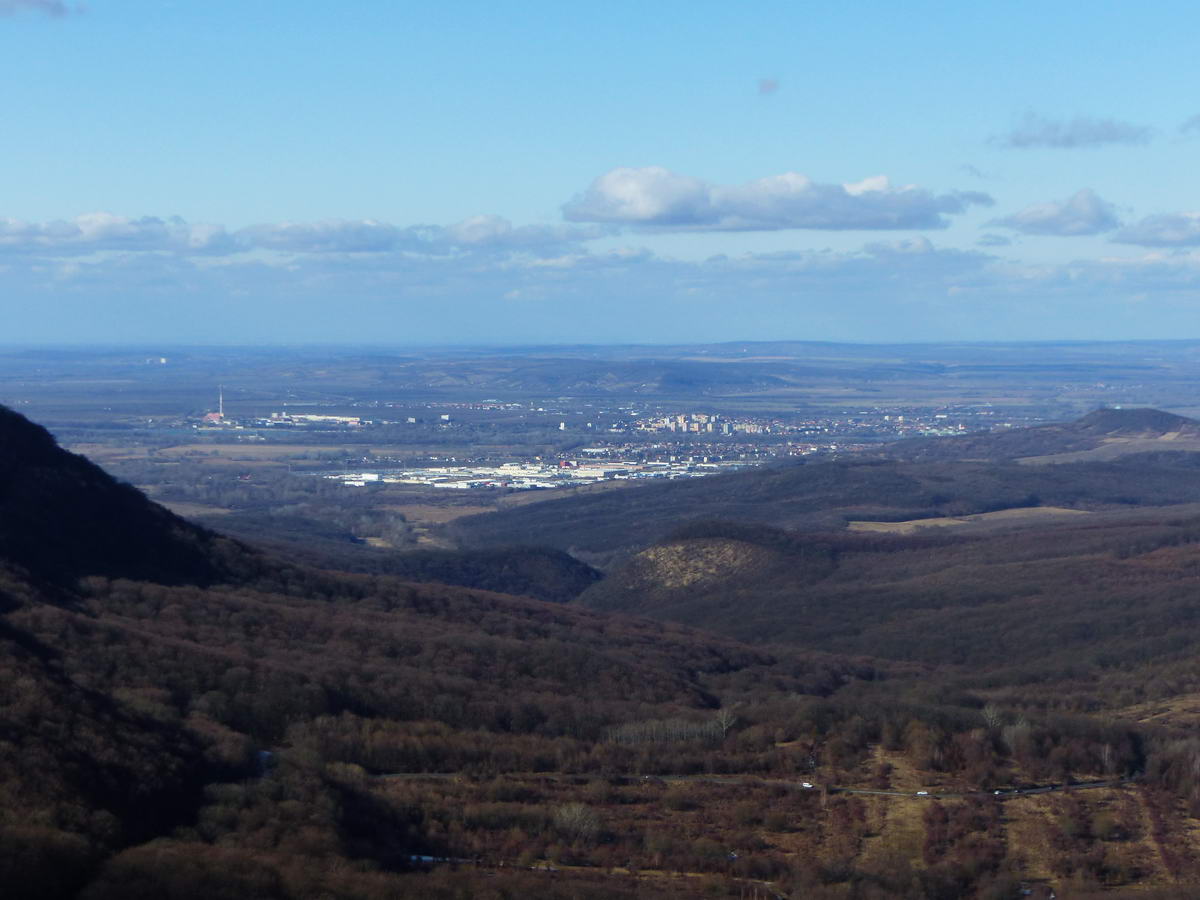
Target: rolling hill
824 496
1090 593
1105 434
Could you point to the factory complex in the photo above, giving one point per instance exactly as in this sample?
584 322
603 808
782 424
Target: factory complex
537 475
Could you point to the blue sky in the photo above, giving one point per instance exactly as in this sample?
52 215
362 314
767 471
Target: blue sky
513 172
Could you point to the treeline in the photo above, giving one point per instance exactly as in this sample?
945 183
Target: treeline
669 730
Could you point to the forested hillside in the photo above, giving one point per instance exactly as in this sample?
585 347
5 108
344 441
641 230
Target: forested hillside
137 710
1084 599
187 717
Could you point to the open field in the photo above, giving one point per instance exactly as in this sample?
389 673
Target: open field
426 514
190 510
1183 709
259 451
1115 448
106 454
1002 516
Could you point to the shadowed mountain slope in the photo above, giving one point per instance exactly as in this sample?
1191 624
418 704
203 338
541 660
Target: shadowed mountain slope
62 517
539 572
81 775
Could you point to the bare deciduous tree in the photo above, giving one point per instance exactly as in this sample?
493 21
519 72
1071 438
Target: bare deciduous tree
993 716
577 822
726 720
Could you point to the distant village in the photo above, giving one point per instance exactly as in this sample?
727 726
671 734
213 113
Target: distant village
874 423
896 425
623 443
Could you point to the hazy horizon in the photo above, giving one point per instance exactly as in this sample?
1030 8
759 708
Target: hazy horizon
537 345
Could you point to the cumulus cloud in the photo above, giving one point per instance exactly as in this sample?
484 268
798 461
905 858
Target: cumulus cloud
1167 230
98 232
475 234
905 289
904 285
656 197
103 232
921 254
49 7
1082 131
650 195
1081 214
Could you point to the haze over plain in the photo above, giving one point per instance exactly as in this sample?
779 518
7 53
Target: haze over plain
688 172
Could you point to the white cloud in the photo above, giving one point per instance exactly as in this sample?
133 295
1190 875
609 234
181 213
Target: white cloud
655 197
481 229
908 285
905 289
1081 131
103 232
1167 230
647 195
100 231
1081 214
